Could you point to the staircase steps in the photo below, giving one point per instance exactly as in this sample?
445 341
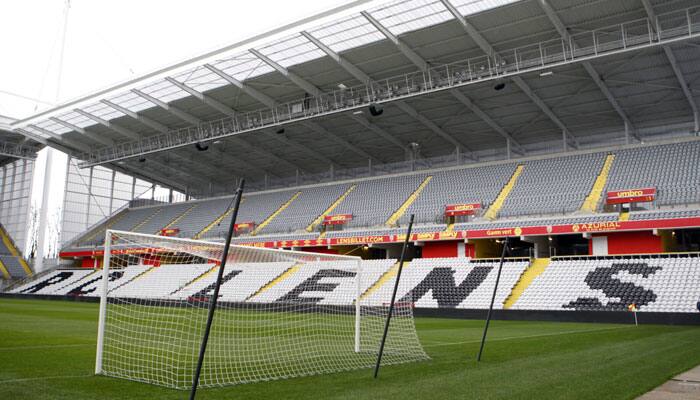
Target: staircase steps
394 218
215 222
497 204
275 214
535 269
593 198
390 273
284 275
330 209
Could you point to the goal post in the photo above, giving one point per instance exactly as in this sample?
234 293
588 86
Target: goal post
280 313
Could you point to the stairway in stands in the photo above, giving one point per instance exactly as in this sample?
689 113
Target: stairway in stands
593 198
277 212
330 209
389 274
216 221
536 268
394 218
497 204
11 258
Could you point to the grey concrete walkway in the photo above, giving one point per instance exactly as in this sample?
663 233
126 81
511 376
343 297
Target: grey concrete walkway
685 386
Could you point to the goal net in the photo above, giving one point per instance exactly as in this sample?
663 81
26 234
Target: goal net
280 314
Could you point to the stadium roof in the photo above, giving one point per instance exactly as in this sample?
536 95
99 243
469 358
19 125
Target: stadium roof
571 73
14 146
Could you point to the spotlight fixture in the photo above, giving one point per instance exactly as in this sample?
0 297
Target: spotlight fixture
142 159
499 86
547 73
280 131
376 109
358 112
201 147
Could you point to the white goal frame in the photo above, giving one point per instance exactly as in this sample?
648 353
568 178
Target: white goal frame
104 287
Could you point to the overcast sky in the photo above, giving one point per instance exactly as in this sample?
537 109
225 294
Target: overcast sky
111 41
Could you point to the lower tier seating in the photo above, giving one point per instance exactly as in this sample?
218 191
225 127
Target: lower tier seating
652 283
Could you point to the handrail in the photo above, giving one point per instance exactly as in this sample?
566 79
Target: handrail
669 27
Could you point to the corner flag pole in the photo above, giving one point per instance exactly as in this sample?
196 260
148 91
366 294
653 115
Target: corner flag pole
493 298
393 297
215 297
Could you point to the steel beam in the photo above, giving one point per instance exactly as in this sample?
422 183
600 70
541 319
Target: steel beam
544 107
379 131
187 117
423 66
108 124
60 139
323 131
300 147
91 135
14 150
674 65
138 117
407 51
342 62
486 47
299 81
245 88
360 76
564 33
510 141
206 99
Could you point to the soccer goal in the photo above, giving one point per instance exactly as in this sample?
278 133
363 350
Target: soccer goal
280 314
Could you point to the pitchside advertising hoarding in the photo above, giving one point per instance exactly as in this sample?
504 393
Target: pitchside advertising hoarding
452 210
537 230
631 196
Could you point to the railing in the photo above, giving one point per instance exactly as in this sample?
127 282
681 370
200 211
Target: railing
673 26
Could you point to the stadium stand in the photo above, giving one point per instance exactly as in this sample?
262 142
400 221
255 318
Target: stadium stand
553 186
657 283
463 186
549 190
673 172
11 259
663 284
307 207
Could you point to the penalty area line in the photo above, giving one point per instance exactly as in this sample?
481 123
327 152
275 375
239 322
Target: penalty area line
48 346
439 344
46 378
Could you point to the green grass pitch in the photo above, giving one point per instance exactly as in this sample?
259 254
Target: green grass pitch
47 351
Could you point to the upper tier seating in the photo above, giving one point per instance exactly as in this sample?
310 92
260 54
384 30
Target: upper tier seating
256 208
553 186
463 186
202 215
163 216
672 169
374 201
548 186
304 210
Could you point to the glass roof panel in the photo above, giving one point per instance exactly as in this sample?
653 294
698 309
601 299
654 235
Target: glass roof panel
409 15
347 33
103 111
292 50
469 7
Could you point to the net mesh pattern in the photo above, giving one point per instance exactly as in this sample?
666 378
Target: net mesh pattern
280 314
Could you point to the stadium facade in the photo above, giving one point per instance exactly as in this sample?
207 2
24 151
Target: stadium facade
569 126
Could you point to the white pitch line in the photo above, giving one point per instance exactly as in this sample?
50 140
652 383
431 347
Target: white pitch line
45 377
48 346
523 337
